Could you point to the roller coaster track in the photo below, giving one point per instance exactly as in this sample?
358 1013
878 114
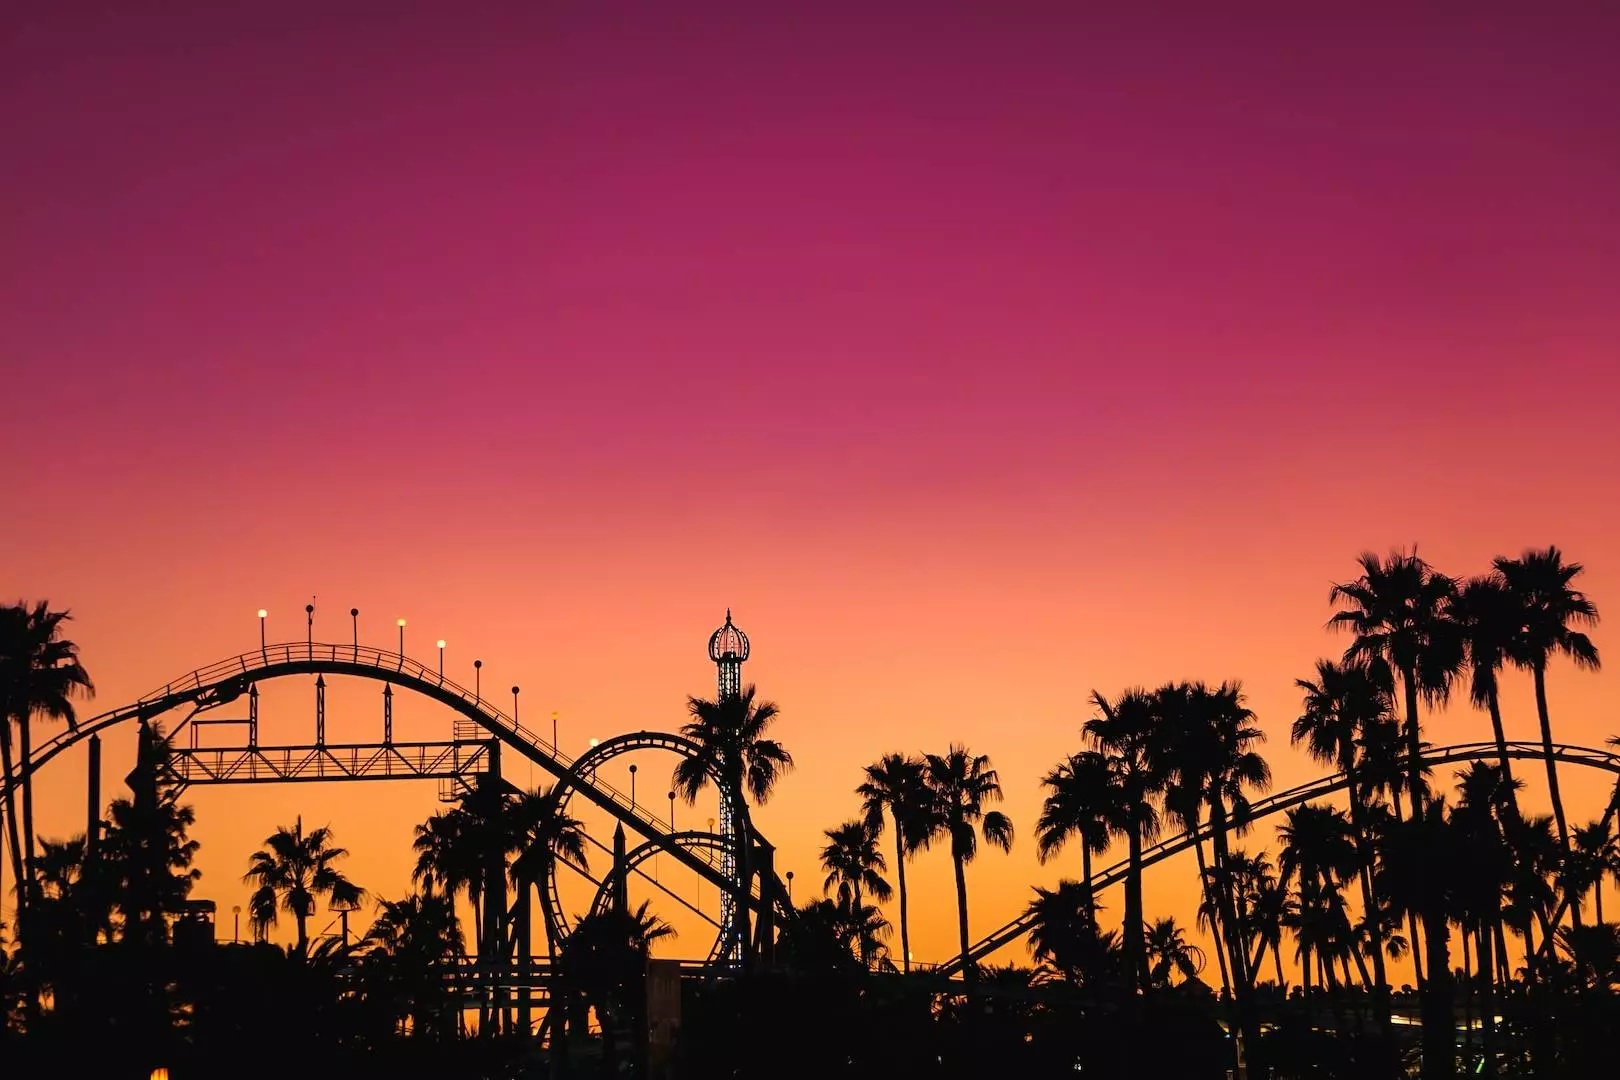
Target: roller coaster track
223 682
1286 800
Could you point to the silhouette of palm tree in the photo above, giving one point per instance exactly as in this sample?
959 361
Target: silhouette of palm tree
1596 856
412 938
962 784
1540 582
1123 733
1170 954
730 733
1064 937
1346 700
854 866
294 868
1399 610
1491 618
541 832
40 675
1081 800
896 786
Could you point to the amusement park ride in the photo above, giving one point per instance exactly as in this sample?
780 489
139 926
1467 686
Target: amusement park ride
505 972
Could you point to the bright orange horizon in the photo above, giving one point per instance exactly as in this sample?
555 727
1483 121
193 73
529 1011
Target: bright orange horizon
975 362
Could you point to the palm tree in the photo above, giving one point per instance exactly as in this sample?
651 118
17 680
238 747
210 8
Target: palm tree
854 866
450 855
295 868
1319 852
730 736
601 966
1346 700
1223 737
1170 953
542 832
145 861
962 784
1490 617
1063 935
1080 801
40 674
1123 732
1539 581
1399 610
1596 856
412 937
895 786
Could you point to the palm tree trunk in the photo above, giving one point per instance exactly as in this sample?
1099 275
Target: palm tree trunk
1214 915
743 832
1276 959
1495 706
1439 1042
961 918
1487 988
1134 959
900 869
1085 877
1369 903
11 813
1468 996
1540 672
303 936
25 884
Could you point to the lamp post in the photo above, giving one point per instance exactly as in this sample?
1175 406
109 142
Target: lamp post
441 659
354 625
672 811
402 638
309 627
236 924
553 729
478 681
790 887
262 614
632 787
514 705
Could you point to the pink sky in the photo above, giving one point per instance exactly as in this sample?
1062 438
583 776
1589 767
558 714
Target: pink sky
977 359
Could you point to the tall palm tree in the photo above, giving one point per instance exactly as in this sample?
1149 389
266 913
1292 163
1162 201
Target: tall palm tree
963 784
1400 612
1122 732
895 786
1346 700
1080 801
1490 617
730 733
294 868
1319 852
542 832
1540 582
40 675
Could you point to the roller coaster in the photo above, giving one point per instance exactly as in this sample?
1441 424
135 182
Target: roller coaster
482 733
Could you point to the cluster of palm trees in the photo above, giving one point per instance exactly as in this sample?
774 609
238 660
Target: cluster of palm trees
1389 875
922 800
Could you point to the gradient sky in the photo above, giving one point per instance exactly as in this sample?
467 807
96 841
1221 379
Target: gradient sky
977 358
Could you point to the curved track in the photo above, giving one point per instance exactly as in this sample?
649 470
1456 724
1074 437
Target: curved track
1286 800
223 682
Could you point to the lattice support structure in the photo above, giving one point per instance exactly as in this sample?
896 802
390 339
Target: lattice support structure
459 760
728 648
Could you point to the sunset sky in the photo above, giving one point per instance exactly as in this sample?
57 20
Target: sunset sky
976 355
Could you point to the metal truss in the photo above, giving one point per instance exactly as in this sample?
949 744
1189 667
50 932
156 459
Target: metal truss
456 760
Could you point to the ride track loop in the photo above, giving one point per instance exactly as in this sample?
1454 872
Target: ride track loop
223 682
